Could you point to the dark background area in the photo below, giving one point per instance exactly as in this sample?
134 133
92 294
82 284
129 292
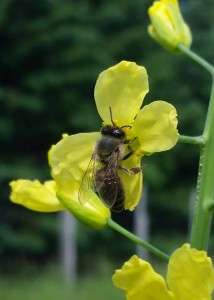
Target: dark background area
51 53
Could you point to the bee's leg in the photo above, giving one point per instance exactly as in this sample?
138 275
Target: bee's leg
129 141
129 148
126 142
128 154
131 171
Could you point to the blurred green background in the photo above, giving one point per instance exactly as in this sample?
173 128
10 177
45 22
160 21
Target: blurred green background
50 56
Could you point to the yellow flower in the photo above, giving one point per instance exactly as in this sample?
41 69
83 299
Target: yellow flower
190 276
167 24
42 198
153 129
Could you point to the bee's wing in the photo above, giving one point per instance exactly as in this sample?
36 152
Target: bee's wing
87 181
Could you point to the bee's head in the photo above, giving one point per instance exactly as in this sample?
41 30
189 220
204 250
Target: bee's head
113 131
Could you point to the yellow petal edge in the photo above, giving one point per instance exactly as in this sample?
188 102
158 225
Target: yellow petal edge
121 88
190 274
156 127
139 281
132 184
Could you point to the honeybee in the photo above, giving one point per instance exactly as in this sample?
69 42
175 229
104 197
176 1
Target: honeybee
102 172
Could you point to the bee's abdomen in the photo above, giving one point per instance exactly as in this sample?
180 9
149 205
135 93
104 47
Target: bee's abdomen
109 187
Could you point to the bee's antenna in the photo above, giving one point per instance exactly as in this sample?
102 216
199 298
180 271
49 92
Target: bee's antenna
111 116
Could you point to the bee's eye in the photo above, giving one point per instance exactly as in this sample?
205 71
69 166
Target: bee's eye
119 133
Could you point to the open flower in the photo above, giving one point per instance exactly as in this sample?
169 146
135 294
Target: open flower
167 24
190 276
42 198
152 129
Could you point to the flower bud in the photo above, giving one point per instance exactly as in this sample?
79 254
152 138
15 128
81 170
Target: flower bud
167 25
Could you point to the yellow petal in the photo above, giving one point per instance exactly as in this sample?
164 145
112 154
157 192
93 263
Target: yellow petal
132 184
72 155
35 196
121 87
190 274
69 160
139 281
156 127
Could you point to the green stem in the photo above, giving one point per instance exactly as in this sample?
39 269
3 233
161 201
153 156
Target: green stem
202 217
134 238
198 59
195 140
205 187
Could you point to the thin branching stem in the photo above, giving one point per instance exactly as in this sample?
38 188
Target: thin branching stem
198 59
137 240
194 140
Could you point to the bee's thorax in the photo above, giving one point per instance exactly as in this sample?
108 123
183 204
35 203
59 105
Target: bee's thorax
107 145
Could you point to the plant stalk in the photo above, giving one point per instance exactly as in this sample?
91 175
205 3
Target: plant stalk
202 217
205 187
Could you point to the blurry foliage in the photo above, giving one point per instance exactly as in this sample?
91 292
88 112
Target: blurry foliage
51 53
49 284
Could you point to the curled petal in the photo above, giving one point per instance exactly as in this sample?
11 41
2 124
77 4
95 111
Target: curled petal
69 160
156 127
190 274
132 183
35 196
92 212
121 87
139 281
